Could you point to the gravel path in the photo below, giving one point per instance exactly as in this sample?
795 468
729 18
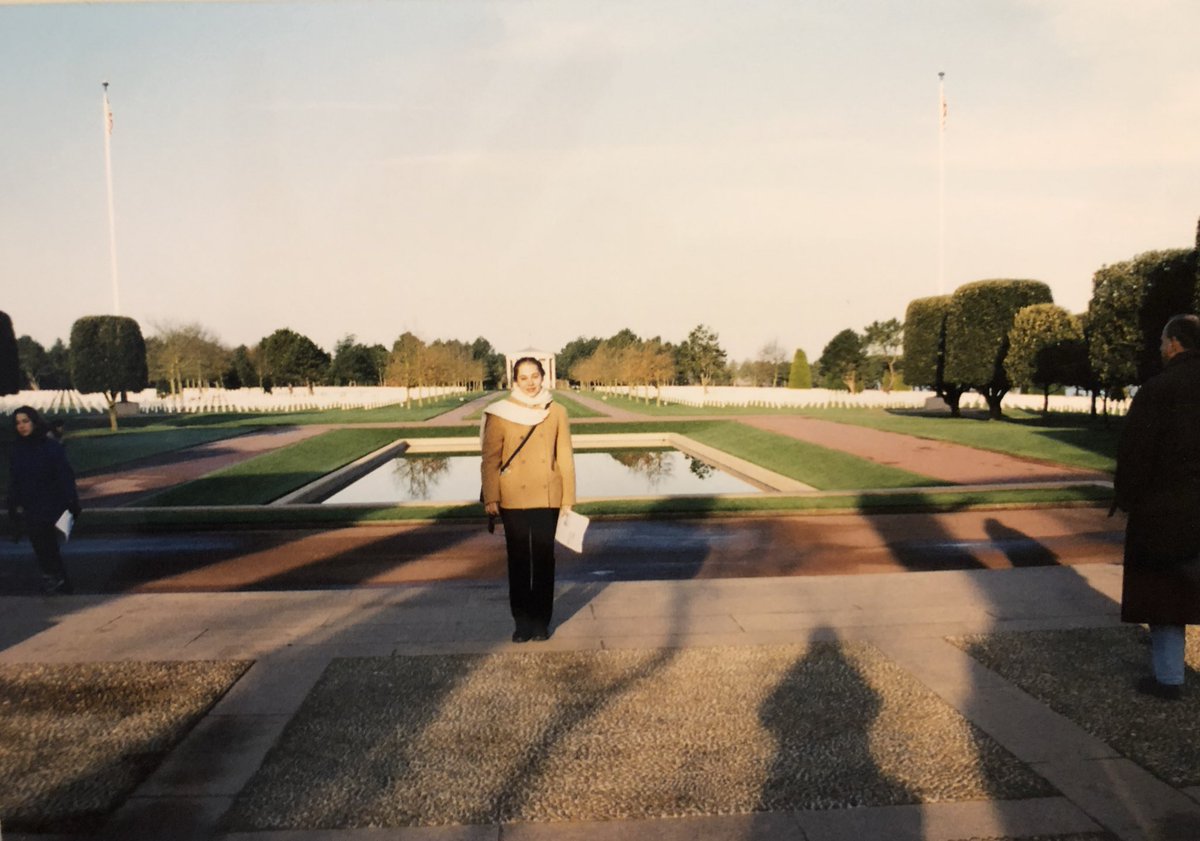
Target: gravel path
594 736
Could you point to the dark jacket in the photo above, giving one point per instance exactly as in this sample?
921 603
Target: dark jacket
40 481
1158 483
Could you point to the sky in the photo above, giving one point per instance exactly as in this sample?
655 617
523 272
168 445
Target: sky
532 172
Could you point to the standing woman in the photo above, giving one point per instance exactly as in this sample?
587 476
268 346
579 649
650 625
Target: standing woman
41 486
528 476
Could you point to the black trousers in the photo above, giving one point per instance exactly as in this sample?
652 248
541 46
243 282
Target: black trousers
44 538
529 537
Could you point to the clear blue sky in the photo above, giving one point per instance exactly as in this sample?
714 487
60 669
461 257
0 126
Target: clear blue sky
536 171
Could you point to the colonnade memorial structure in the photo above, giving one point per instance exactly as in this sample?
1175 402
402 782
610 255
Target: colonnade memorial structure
545 357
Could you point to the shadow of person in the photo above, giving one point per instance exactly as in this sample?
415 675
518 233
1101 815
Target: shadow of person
1020 549
822 715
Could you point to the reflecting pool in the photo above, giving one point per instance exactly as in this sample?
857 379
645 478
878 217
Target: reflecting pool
624 472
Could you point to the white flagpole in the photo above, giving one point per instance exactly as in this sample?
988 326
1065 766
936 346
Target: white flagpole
112 223
941 183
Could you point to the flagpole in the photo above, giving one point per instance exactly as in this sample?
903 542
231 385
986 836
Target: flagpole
941 183
112 223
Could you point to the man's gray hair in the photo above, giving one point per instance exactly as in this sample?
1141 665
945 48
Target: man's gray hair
1184 329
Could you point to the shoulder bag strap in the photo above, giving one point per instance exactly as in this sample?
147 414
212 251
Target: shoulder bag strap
509 461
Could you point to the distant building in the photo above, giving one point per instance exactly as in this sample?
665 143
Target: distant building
545 357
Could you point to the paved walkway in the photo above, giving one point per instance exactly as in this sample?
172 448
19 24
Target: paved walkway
292 636
629 550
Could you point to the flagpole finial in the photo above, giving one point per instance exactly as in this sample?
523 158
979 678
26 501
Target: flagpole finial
105 86
941 75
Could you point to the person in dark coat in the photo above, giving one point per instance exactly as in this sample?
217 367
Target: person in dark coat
1158 483
41 486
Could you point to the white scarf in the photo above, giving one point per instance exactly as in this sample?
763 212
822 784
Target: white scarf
520 408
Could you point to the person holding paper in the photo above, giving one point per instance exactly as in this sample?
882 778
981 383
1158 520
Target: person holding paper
41 487
528 475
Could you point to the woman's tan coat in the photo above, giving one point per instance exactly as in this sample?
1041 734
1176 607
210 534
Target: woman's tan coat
543 473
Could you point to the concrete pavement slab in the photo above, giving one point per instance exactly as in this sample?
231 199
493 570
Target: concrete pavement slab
274 685
1125 799
1029 729
777 826
421 833
948 821
217 758
165 819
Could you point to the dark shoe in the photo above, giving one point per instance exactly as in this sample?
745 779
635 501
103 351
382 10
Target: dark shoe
522 633
1165 691
52 586
540 634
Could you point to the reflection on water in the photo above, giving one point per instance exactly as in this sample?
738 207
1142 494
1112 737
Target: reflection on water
419 474
625 472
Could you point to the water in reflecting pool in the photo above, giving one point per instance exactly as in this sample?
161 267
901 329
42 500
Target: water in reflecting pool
455 478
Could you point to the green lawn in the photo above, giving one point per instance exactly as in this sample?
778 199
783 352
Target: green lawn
819 467
274 474
1077 440
1069 438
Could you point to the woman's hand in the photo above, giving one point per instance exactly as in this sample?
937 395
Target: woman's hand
492 509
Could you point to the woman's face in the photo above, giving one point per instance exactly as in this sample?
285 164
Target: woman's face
24 424
529 379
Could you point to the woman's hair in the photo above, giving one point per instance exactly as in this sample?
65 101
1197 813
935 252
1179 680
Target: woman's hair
532 361
39 424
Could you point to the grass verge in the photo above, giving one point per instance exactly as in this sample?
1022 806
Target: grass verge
274 474
1063 438
813 465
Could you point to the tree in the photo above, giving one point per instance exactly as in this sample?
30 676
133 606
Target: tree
108 355
10 357
800 375
1131 303
405 364
843 361
241 372
493 363
182 355
978 320
292 359
1046 349
772 357
1114 336
56 374
924 357
884 341
32 357
574 351
356 364
701 357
